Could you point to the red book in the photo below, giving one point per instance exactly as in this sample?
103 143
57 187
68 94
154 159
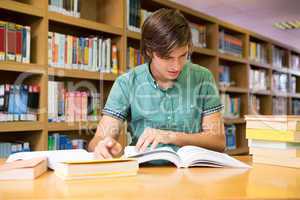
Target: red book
2 40
11 42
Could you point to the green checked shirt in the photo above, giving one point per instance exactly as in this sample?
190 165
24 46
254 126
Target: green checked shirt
136 97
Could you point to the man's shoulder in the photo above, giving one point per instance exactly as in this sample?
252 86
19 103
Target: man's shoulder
198 70
134 74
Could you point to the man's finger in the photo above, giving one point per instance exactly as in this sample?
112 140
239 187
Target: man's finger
146 144
154 144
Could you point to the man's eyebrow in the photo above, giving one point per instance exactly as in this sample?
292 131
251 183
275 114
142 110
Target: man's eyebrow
180 55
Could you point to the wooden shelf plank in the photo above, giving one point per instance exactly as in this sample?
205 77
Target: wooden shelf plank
233 89
20 126
234 121
294 72
281 94
282 70
21 8
84 23
81 74
71 126
296 95
205 51
22 67
261 92
231 58
238 151
134 35
256 64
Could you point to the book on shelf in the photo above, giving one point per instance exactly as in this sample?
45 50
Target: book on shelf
293 85
295 106
254 104
258 52
279 59
65 7
14 42
70 170
279 106
57 141
71 106
19 102
258 80
231 44
232 105
224 76
198 35
187 156
230 133
134 15
8 148
280 82
134 57
23 169
92 53
295 62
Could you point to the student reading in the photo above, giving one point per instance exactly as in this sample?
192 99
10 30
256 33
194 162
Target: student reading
166 101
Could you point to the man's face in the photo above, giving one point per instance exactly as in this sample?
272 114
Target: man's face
169 68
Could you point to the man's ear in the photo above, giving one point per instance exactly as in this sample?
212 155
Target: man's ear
149 54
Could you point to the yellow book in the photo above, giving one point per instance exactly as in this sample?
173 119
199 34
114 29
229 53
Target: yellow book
96 168
273 135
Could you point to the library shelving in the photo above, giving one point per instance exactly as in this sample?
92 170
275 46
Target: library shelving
110 19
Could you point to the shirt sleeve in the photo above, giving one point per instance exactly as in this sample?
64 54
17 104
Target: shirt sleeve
210 94
117 104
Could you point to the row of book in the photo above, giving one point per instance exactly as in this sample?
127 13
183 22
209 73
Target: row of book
258 80
19 102
295 106
230 133
198 35
278 57
14 42
134 15
84 53
224 76
258 52
71 106
232 105
274 140
8 148
65 7
280 82
295 62
57 141
279 106
231 44
134 57
254 104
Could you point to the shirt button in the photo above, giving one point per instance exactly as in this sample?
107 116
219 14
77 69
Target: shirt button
169 117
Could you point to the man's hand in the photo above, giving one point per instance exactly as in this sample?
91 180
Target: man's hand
154 137
107 148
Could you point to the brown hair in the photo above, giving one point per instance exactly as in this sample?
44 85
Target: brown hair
163 31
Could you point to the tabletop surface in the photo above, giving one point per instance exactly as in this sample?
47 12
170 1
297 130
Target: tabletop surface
261 181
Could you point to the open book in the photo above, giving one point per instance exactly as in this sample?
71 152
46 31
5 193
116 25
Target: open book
187 156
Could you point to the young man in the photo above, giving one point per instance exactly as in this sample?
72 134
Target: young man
167 101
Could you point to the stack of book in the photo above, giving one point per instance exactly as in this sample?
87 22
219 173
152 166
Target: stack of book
198 35
19 102
65 7
258 80
231 44
14 42
84 53
71 106
280 82
274 140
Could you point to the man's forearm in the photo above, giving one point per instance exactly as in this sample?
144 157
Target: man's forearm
206 139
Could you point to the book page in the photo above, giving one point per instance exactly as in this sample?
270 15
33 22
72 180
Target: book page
161 153
197 156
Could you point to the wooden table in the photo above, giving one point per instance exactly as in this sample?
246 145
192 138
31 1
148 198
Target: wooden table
262 181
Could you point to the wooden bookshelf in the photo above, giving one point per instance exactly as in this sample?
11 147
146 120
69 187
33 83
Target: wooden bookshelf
108 18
